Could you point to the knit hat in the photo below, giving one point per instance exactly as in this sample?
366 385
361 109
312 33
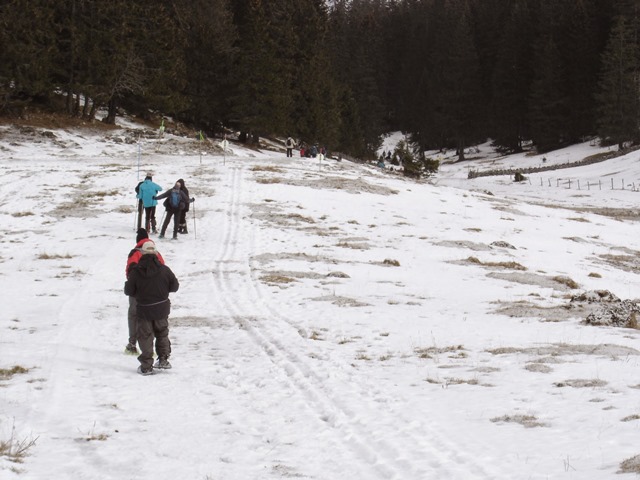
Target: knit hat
149 248
142 233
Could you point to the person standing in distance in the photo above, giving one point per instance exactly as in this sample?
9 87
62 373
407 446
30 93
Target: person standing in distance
147 190
151 282
289 144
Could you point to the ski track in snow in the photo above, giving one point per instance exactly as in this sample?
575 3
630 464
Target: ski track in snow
416 451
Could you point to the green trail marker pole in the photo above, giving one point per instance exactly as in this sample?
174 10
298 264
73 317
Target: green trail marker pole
225 144
200 139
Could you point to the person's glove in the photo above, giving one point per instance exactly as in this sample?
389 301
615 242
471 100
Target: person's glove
193 199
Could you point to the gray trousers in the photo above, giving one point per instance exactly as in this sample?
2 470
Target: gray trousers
133 321
147 331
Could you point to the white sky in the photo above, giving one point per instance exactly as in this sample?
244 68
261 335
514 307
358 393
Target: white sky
297 351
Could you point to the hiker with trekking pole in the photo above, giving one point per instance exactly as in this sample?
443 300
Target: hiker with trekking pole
176 201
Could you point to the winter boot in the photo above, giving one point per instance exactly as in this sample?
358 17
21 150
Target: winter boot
163 363
145 371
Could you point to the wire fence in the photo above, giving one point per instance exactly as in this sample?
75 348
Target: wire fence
577 184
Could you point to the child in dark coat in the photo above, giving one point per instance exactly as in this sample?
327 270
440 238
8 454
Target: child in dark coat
150 282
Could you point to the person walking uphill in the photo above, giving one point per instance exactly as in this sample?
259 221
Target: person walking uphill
182 226
151 282
175 202
135 254
147 190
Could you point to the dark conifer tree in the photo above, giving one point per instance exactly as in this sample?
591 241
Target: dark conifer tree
512 79
548 98
618 104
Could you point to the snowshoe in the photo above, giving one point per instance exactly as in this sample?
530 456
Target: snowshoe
145 371
162 363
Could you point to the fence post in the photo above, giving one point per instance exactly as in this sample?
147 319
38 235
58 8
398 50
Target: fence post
612 184
578 184
600 183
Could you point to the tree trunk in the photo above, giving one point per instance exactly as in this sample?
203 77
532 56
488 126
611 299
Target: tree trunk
110 119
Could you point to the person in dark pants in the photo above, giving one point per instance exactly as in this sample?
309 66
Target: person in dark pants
135 254
182 226
140 205
289 144
150 282
175 202
146 191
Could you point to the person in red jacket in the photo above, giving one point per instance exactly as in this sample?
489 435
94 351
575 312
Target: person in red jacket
142 237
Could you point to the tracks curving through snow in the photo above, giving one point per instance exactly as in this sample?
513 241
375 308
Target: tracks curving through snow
393 446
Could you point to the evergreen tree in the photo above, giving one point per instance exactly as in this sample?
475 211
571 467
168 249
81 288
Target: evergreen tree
548 113
27 51
512 80
209 34
618 87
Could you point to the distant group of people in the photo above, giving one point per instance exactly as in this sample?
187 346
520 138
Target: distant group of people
388 157
176 205
148 280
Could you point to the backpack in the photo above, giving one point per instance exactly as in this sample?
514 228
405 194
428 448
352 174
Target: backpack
174 199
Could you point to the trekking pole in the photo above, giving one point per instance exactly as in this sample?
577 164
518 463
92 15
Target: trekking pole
195 232
135 217
162 219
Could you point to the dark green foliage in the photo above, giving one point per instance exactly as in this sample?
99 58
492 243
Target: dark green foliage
450 73
414 165
618 94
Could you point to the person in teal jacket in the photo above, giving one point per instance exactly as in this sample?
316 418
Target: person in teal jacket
147 193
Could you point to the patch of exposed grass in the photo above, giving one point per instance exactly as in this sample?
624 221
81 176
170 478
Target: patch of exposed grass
302 218
630 465
630 418
528 421
46 256
269 180
7 373
22 214
393 263
15 450
429 352
566 281
315 336
266 168
103 194
508 265
595 275
581 383
277 279
92 435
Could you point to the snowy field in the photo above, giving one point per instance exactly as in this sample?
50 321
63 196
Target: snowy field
334 321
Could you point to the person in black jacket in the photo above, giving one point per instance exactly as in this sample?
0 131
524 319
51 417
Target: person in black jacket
150 282
182 227
175 202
